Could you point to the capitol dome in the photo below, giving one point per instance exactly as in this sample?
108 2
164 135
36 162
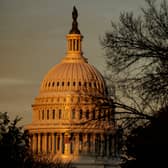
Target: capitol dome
68 120
73 75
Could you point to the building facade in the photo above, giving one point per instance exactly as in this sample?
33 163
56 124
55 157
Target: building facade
71 119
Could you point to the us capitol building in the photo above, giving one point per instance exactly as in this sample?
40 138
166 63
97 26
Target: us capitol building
72 119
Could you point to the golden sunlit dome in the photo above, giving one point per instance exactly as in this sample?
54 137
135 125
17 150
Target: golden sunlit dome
74 73
73 76
68 120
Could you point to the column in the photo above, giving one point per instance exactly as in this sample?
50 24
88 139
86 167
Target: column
49 143
67 143
53 143
93 145
80 47
108 146
45 143
80 143
89 143
68 45
60 145
102 145
76 148
85 140
113 145
39 142
34 144
56 143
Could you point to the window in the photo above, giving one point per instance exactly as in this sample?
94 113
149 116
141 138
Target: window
73 113
57 83
68 84
79 83
53 114
60 114
73 83
80 114
87 114
43 115
62 83
47 114
93 115
53 84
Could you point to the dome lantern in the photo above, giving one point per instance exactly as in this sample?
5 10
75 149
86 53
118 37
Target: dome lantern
74 42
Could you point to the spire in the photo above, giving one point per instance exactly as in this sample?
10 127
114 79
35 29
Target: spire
74 42
74 29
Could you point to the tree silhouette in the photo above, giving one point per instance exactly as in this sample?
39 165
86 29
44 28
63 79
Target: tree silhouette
147 145
15 151
136 52
13 142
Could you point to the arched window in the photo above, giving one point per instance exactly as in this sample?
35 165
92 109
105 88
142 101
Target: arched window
87 114
79 83
93 115
53 84
80 114
53 114
68 83
62 83
47 114
73 113
57 83
73 83
42 115
60 114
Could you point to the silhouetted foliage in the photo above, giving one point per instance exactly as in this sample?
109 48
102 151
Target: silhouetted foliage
147 145
15 151
13 142
136 52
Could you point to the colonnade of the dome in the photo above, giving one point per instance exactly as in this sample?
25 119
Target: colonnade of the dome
74 44
73 144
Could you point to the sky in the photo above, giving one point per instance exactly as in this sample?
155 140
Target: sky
33 39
